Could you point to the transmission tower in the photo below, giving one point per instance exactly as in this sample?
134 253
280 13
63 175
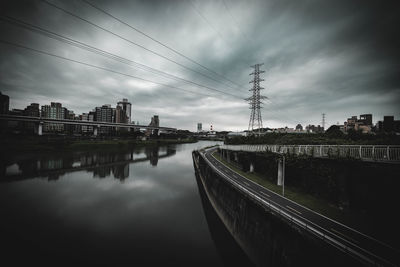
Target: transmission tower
255 100
323 121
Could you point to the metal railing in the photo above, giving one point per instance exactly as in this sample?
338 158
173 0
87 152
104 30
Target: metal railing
381 153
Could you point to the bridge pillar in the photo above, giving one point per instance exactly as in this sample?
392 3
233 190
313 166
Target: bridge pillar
236 156
251 167
95 130
38 128
228 156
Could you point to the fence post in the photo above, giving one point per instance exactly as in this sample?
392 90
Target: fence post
360 152
373 152
387 153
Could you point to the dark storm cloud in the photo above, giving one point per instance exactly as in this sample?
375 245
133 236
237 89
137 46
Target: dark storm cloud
334 57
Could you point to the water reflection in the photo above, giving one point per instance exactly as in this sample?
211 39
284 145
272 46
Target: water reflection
101 163
153 218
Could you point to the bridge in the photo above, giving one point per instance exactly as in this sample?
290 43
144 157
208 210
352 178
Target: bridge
376 153
39 121
364 248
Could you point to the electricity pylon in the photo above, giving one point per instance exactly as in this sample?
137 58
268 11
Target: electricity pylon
255 100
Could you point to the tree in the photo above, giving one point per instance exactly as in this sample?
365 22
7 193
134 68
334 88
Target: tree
334 131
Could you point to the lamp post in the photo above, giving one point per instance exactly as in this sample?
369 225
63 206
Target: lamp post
283 176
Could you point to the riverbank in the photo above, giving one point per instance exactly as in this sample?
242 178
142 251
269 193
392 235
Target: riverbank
51 144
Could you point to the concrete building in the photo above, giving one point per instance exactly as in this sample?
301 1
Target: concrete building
4 103
4 109
53 111
127 109
155 121
364 124
105 114
366 119
388 123
350 123
32 110
120 115
87 117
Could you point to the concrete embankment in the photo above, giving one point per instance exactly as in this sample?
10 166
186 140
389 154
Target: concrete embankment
266 237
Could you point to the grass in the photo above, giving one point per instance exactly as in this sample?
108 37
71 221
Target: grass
320 206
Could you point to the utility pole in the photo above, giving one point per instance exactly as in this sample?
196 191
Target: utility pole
255 100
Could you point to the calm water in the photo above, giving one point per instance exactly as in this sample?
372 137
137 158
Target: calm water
141 206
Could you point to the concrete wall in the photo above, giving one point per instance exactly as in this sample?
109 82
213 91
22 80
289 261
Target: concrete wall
265 237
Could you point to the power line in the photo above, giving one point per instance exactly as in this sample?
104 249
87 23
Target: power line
98 67
160 43
131 42
234 20
206 20
98 51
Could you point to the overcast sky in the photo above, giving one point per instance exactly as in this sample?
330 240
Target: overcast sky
337 57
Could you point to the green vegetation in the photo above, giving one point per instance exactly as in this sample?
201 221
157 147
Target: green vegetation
331 137
44 144
316 204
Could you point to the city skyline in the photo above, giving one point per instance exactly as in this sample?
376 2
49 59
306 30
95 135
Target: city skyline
339 60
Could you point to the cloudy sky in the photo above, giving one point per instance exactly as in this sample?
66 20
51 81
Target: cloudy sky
338 57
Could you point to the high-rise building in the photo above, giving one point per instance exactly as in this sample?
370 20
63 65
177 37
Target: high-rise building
4 108
105 114
199 127
126 107
53 111
155 121
120 115
87 117
32 111
4 103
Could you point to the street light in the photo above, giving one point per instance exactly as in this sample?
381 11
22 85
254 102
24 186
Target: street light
283 176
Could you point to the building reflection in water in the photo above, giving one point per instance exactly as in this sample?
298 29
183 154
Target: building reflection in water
101 163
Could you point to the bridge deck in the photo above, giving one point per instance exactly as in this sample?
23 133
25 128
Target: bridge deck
7 117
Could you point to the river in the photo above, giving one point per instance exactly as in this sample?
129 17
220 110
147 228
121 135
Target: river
140 206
